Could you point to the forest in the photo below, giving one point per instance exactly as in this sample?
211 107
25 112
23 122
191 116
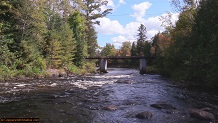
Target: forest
41 35
37 35
190 52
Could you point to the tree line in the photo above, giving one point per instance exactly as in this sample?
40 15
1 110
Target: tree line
36 35
190 53
186 51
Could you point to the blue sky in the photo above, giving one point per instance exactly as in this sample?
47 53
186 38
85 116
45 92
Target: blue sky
126 17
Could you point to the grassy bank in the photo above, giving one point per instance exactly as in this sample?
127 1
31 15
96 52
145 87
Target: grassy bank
9 73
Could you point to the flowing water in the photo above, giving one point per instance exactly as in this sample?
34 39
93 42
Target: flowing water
82 99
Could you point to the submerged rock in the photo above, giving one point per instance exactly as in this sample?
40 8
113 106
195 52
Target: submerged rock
163 106
101 71
202 115
111 107
124 81
144 115
206 109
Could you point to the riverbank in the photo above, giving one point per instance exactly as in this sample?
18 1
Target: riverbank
7 74
203 86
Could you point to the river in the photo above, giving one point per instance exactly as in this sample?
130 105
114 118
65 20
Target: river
82 99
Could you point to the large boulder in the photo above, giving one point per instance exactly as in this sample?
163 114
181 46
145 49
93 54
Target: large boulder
144 115
202 115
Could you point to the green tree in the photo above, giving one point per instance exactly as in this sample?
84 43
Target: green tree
134 50
147 48
125 49
109 50
54 50
7 57
32 28
134 53
203 59
177 56
141 39
77 25
93 11
68 44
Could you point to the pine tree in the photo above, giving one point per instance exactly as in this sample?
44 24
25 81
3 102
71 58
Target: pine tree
7 57
141 39
134 52
92 12
68 45
32 28
77 25
54 50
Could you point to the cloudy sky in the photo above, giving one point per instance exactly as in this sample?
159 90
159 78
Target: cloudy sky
127 16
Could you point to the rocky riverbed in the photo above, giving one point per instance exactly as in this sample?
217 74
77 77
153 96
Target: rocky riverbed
120 96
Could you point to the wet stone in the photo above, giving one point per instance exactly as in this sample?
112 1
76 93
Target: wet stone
206 109
124 81
172 111
144 115
163 106
202 115
110 108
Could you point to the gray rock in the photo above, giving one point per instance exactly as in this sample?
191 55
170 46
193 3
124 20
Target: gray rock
206 109
163 106
202 115
124 81
111 107
144 115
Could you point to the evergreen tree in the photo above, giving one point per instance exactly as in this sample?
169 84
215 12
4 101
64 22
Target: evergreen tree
147 48
32 28
77 25
7 57
141 39
68 44
134 50
91 37
204 50
93 11
54 50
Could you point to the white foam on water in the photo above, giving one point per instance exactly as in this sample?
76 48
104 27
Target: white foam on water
12 91
21 85
87 84
53 84
112 76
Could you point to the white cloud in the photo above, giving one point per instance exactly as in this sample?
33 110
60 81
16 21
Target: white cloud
122 2
110 5
140 10
129 31
108 26
153 26
117 41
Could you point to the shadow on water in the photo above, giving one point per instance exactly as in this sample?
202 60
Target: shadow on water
82 99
